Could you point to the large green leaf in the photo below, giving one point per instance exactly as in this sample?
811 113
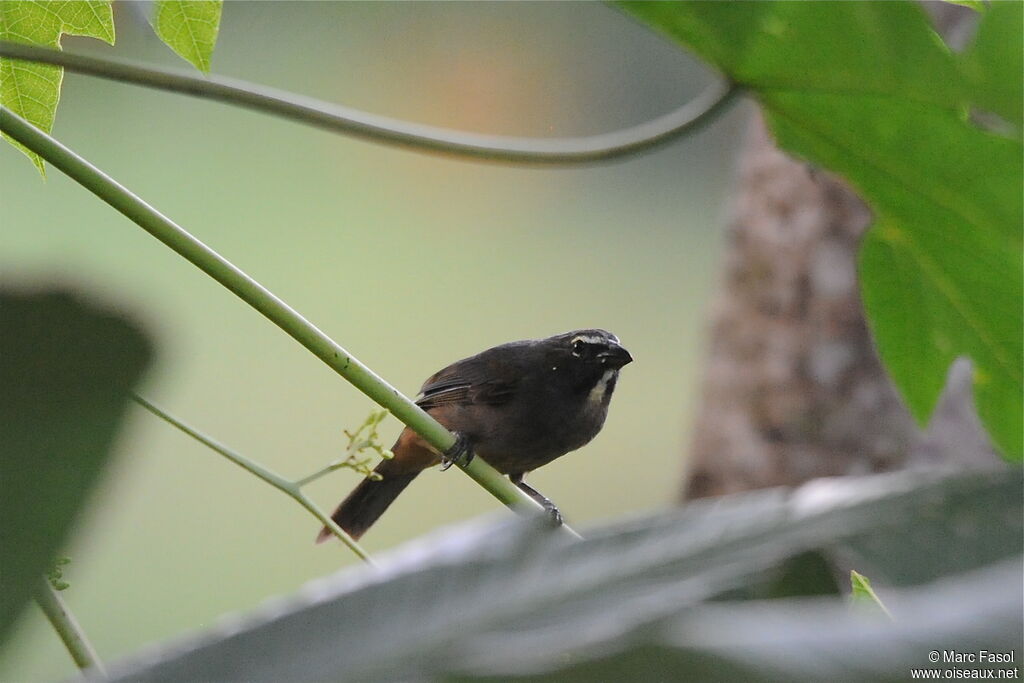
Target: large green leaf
511 598
66 368
189 27
823 47
995 62
868 90
32 90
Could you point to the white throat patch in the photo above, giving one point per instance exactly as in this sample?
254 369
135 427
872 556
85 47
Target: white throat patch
596 395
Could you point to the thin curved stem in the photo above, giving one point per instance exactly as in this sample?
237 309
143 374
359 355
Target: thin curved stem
320 473
383 129
66 626
283 485
264 301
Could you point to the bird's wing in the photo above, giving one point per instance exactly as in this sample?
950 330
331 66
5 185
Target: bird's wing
443 392
494 392
467 383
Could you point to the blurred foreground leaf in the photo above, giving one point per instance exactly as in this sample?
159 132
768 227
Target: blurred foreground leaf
510 599
66 368
868 90
808 640
32 90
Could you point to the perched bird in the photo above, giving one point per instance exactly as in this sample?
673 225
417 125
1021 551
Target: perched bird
518 406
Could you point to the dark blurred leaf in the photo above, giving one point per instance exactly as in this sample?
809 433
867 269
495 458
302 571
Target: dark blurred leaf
867 89
513 597
66 368
812 573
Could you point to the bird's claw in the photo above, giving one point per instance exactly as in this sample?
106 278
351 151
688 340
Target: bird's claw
553 513
461 452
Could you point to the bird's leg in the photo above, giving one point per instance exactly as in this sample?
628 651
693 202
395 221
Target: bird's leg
461 451
550 508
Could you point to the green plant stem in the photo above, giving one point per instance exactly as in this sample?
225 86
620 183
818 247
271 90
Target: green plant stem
66 626
337 118
287 487
322 472
260 298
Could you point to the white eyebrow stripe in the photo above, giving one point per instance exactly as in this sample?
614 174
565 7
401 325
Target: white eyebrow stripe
591 339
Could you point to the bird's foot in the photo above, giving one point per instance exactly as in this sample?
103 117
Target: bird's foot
461 452
553 513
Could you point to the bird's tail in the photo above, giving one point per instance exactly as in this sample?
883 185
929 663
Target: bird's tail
367 502
371 498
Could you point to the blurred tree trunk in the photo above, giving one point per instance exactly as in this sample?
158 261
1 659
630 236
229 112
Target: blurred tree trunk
793 387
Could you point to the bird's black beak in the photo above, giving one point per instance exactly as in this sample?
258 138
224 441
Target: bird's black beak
615 356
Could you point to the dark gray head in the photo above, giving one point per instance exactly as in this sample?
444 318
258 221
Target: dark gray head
597 348
583 358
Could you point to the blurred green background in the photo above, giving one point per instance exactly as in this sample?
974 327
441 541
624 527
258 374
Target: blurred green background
409 261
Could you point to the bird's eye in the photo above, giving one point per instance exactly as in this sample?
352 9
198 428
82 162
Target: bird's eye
577 348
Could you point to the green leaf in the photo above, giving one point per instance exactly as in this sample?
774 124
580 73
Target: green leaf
941 268
868 90
976 5
189 27
995 61
66 368
923 315
514 599
816 47
863 594
32 90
